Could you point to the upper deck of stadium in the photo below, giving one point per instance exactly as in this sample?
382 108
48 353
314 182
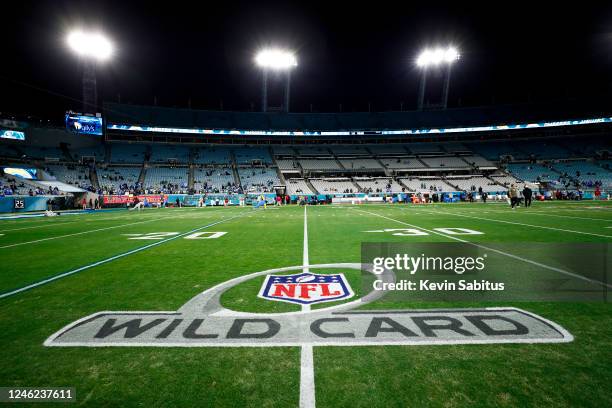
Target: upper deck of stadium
120 116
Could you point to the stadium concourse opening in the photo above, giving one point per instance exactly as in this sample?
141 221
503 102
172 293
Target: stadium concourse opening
240 206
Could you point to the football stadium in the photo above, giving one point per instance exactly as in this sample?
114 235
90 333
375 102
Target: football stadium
440 254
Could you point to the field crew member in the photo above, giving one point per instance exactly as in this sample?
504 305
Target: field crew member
527 193
513 194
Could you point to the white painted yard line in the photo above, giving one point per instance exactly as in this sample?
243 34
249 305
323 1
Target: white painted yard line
518 258
307 385
437 212
305 262
110 259
81 233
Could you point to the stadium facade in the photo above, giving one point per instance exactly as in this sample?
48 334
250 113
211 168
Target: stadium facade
191 157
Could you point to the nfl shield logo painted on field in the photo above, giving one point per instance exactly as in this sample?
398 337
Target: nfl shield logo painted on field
306 288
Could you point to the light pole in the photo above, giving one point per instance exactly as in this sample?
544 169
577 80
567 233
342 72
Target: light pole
92 48
279 61
436 57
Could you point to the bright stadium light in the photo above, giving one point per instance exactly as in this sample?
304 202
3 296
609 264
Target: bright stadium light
93 48
90 45
279 60
433 58
437 56
276 59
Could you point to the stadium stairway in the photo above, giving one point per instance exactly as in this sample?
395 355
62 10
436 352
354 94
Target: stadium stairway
145 164
235 170
387 171
310 186
399 181
418 158
302 172
357 188
495 181
279 173
93 176
237 177
445 180
473 168
338 161
143 173
190 177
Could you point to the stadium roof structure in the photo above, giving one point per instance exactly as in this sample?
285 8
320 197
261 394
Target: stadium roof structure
277 121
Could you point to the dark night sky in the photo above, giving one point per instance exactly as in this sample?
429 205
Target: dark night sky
348 53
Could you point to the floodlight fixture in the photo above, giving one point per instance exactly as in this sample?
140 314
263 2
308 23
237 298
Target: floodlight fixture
92 45
276 59
280 61
437 56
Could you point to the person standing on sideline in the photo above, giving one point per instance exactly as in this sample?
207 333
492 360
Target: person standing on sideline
513 194
527 193
84 203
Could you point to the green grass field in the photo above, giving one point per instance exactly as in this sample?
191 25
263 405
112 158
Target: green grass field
172 269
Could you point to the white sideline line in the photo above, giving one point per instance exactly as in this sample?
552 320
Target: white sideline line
112 258
52 224
552 268
520 223
307 385
93 217
82 232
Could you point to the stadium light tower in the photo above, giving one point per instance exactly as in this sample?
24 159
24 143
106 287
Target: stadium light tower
277 60
92 48
437 57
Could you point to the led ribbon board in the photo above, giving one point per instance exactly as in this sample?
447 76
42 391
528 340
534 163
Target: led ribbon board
12 134
492 128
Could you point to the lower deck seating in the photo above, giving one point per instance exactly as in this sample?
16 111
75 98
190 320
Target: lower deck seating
474 184
118 179
297 187
215 180
261 180
379 185
331 185
70 174
427 184
166 179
